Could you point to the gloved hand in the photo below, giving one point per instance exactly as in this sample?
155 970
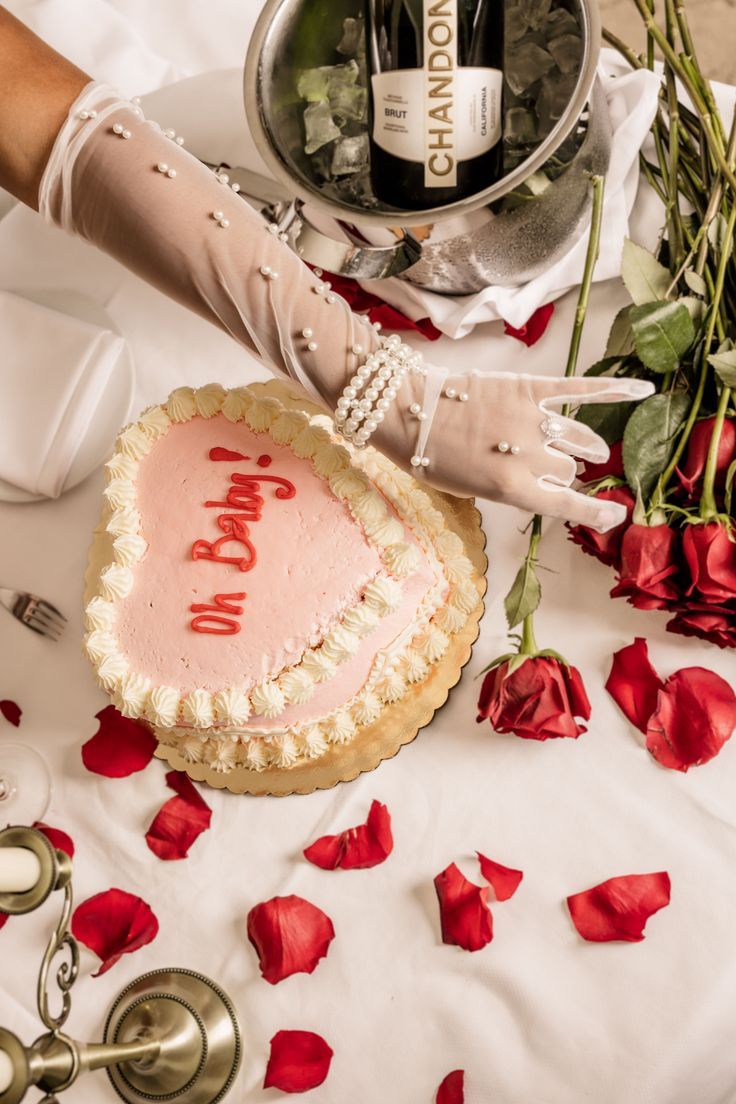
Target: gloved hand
117 180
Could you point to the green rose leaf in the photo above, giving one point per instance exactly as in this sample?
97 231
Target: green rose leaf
719 237
602 367
663 333
621 337
724 362
608 420
730 477
650 437
645 278
695 308
524 596
696 283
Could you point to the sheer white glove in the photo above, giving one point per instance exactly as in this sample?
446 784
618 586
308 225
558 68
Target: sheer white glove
124 185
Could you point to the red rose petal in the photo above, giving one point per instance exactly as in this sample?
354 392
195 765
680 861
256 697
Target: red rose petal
58 839
112 924
464 913
119 747
619 908
11 711
364 302
3 919
226 454
356 848
716 624
180 821
648 569
694 716
290 936
697 453
605 547
452 1090
634 684
299 1061
392 319
504 879
534 328
613 466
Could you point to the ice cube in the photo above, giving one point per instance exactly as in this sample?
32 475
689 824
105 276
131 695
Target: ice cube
567 50
554 98
350 155
515 25
560 21
311 85
357 190
319 127
348 101
535 12
526 63
519 126
316 85
352 43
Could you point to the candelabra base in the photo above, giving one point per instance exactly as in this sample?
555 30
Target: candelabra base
196 1027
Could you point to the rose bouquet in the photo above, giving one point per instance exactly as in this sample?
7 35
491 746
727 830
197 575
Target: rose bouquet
673 458
673 455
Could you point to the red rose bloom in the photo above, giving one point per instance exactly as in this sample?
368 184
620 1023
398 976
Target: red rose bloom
716 624
691 473
648 567
710 554
538 701
606 547
613 466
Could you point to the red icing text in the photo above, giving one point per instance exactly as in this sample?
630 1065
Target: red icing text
226 454
242 505
210 619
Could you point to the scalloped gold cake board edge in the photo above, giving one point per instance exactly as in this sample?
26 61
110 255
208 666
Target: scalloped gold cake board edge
400 722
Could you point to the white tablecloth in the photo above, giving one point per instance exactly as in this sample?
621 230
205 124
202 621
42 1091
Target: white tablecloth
538 1015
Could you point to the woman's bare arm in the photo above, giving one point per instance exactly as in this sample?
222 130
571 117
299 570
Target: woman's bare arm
38 86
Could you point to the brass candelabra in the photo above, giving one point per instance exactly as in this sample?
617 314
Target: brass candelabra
169 1034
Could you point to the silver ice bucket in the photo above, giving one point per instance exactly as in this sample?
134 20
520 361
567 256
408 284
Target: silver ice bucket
506 234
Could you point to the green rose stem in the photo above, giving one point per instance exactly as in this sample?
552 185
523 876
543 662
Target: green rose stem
698 89
528 646
708 505
713 319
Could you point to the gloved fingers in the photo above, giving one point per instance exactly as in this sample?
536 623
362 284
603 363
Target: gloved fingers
580 440
579 509
557 466
589 389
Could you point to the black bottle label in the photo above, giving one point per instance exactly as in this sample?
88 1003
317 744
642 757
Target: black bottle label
442 114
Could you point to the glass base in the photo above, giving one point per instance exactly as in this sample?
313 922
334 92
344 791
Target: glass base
25 785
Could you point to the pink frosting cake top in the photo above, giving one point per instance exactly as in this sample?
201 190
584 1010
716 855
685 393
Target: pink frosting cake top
251 560
292 591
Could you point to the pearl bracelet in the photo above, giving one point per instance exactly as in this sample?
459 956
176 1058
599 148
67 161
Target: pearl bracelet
365 401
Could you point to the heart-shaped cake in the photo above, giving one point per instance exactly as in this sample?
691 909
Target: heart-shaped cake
269 590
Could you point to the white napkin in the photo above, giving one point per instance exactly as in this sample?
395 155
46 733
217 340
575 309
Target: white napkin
632 103
54 369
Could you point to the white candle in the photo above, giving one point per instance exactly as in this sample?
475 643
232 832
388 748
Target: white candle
6 1071
19 869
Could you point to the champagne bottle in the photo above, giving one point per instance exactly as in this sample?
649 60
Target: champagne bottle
436 87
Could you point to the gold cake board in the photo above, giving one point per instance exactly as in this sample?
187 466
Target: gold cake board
399 722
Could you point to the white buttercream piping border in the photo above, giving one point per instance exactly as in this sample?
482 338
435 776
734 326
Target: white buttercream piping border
307 437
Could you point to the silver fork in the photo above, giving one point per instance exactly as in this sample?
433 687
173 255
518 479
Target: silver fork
34 612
